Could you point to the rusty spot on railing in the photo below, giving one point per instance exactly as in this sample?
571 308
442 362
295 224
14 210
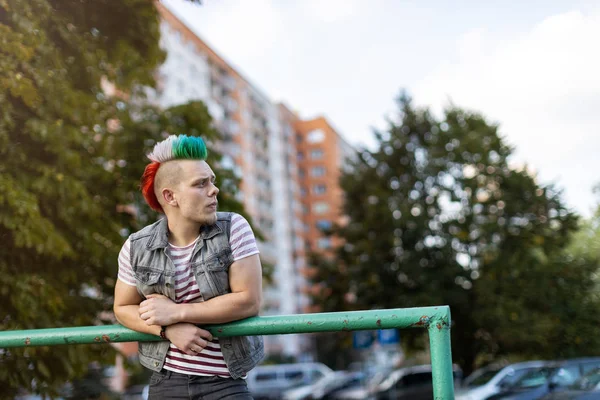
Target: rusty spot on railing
106 338
27 341
423 321
97 339
379 322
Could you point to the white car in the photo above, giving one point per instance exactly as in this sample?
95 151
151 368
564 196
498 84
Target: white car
303 392
490 380
269 382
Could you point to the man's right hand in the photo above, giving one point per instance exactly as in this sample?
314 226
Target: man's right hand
188 337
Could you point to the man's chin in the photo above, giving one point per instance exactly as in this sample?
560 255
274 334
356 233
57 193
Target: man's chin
211 219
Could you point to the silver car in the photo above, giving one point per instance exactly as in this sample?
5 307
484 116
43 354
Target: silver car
490 380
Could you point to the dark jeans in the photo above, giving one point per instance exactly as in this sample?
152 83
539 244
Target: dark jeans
171 385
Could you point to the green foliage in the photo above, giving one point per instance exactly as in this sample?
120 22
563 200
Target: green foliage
437 216
586 241
71 157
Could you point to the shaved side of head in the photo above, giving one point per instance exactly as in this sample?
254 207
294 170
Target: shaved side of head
168 176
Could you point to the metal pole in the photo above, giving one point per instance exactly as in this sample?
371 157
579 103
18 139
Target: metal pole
441 358
435 319
270 325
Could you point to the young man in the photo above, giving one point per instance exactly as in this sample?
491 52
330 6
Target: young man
195 266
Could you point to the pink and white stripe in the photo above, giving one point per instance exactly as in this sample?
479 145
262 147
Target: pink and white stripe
242 240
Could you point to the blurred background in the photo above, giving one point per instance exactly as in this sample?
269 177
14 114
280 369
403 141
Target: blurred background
387 154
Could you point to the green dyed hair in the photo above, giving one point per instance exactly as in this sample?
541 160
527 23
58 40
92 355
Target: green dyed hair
179 147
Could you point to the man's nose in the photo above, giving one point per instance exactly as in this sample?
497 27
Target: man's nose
214 191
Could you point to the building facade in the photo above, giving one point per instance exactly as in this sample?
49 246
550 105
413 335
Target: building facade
322 156
262 142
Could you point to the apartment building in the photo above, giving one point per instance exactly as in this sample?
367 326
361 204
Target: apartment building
322 156
256 144
288 167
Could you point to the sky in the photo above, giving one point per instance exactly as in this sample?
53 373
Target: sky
532 67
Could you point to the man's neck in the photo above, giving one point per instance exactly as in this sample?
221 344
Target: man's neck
182 232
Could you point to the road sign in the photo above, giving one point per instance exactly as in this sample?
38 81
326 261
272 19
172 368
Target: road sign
388 336
362 339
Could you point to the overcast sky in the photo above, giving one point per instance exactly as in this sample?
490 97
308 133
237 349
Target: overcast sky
531 66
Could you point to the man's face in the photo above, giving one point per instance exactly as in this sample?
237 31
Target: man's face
196 193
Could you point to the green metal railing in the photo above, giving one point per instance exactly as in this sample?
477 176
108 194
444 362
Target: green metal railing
435 319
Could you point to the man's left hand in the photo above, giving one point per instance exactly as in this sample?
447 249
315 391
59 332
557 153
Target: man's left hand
158 310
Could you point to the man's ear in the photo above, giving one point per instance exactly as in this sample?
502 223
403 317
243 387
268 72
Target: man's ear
168 197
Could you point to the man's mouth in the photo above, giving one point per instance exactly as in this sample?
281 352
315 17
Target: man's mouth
213 205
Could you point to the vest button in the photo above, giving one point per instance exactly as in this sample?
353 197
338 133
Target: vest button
156 363
168 284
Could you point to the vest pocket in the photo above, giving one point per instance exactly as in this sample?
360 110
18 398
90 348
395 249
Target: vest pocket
212 276
149 280
218 270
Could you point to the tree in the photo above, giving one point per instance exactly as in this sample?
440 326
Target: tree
71 157
437 216
586 241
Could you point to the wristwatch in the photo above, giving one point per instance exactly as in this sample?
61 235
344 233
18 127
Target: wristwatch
163 332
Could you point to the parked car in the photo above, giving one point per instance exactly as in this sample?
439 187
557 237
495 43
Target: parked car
490 380
268 382
553 377
305 391
586 388
414 383
364 389
327 388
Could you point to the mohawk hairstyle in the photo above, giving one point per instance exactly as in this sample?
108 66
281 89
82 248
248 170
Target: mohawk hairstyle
175 147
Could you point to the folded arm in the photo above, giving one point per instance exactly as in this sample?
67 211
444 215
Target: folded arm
126 308
186 337
245 282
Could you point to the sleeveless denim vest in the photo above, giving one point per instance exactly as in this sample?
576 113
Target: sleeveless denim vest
211 259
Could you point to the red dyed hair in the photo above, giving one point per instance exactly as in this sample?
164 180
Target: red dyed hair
147 183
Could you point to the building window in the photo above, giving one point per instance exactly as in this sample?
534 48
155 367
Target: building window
317 171
227 162
319 189
231 127
303 191
233 149
300 156
320 208
315 136
324 243
231 104
301 173
316 154
323 224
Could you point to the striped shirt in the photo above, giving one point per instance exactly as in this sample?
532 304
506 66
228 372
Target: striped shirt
209 362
